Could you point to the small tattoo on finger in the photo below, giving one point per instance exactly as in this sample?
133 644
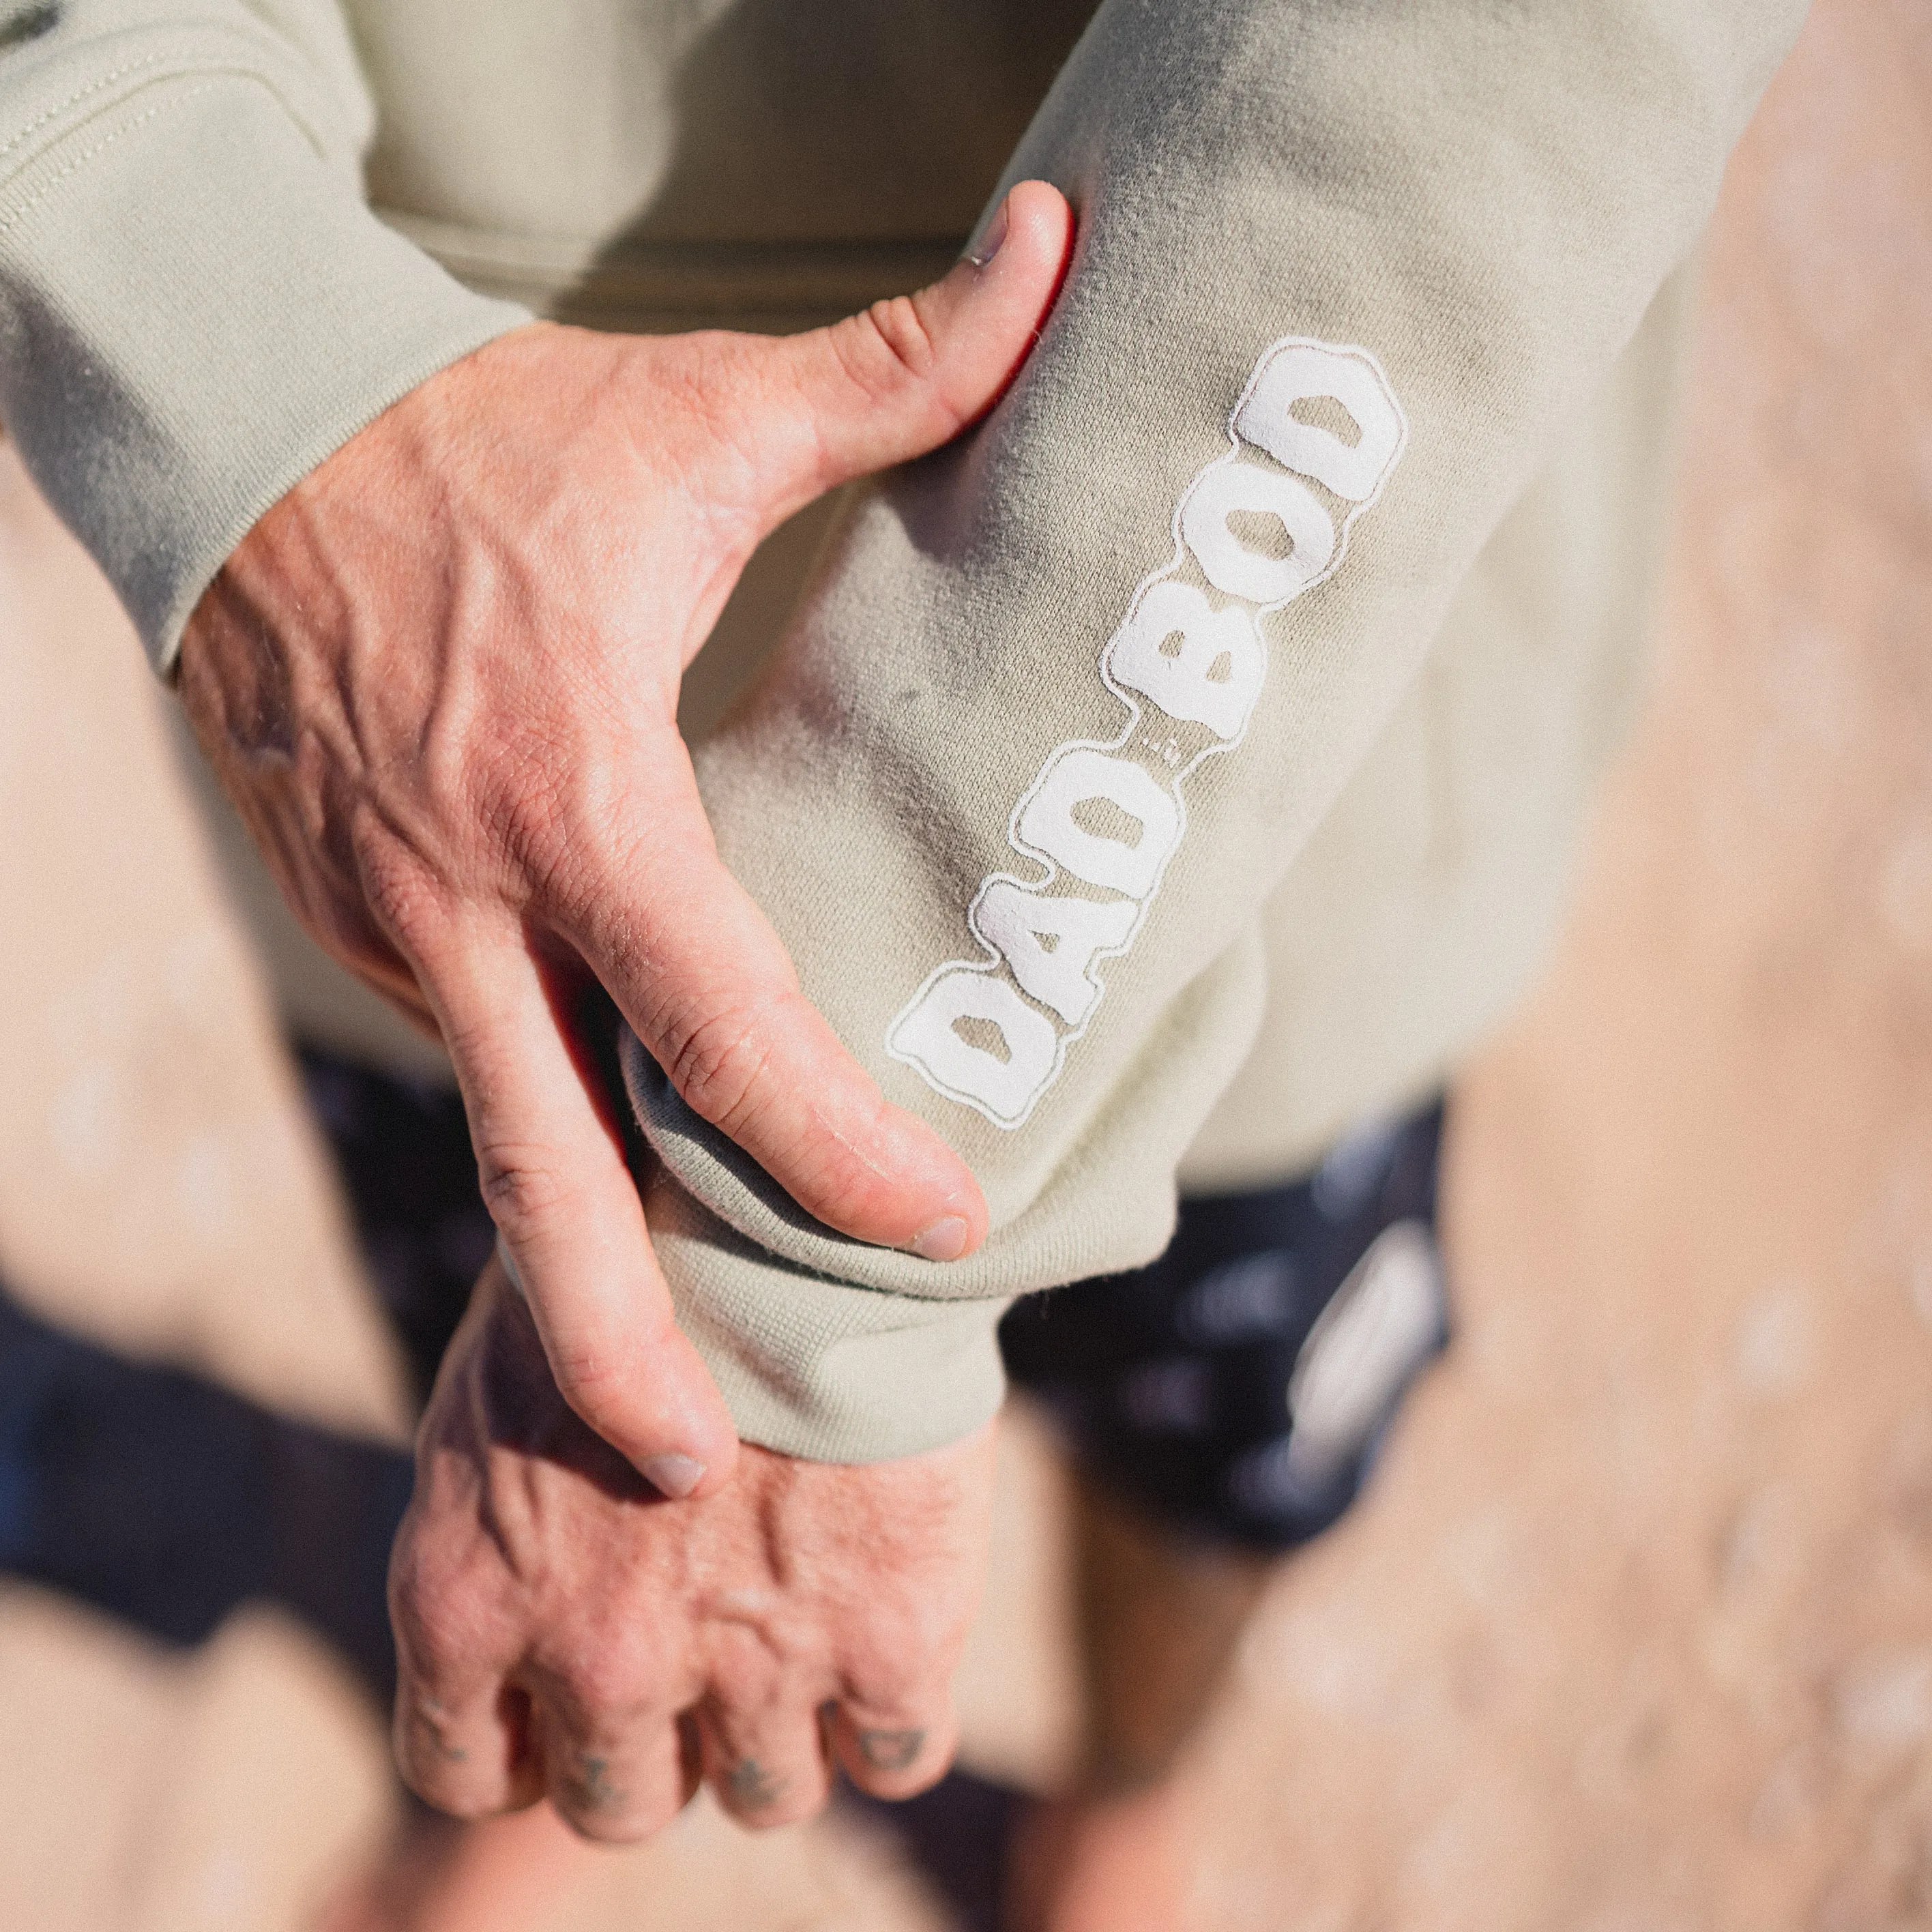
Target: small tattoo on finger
890 1750
752 1785
589 1785
429 1724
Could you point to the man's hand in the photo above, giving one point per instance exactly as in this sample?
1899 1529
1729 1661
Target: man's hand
439 678
563 1629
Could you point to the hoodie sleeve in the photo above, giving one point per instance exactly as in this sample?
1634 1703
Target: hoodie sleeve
1068 697
196 306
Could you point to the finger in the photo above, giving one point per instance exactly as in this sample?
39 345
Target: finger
766 1766
893 1750
711 992
554 1178
469 1755
460 1733
908 374
615 1781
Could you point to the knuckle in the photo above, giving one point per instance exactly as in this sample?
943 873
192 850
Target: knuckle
449 1612
600 1693
890 1750
890 1667
717 1061
434 1764
433 1634
895 327
602 1673
599 1378
757 1795
402 897
899 1743
523 809
424 1610
766 1760
566 846
526 1186
880 1690
595 1800
844 1176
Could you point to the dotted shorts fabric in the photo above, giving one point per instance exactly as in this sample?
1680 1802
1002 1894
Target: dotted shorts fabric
1241 1385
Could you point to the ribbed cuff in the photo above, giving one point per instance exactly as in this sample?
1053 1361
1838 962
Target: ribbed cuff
818 1368
831 1349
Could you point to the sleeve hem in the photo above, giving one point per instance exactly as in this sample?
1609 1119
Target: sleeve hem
820 1368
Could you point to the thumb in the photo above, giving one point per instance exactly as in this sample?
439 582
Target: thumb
910 373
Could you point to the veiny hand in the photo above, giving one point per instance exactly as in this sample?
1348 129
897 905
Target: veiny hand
563 1629
439 679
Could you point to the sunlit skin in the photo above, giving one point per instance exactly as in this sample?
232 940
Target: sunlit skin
439 679
564 1631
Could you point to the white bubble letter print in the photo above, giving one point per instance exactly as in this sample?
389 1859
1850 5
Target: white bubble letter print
1000 1080
1247 490
1215 675
1077 775
1020 921
989 1033
1304 372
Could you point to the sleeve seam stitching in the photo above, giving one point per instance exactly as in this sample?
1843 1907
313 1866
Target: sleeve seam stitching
10 216
230 53
73 100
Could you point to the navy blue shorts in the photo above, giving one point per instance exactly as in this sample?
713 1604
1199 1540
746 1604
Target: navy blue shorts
1238 1387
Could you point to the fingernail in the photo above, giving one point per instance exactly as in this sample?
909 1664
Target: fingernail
989 245
945 1241
674 1476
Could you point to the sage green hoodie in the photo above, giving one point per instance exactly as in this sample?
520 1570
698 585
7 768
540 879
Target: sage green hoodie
1252 659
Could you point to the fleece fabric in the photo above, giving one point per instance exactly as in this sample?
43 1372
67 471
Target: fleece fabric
1176 768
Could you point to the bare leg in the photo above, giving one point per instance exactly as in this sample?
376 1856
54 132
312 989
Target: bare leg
1160 1615
438 1875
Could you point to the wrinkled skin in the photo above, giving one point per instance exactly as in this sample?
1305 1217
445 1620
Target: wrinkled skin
563 1629
439 679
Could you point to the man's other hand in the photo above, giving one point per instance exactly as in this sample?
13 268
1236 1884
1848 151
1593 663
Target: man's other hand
563 1630
439 678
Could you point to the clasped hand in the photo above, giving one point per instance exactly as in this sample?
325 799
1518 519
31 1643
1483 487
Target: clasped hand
439 679
563 1630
